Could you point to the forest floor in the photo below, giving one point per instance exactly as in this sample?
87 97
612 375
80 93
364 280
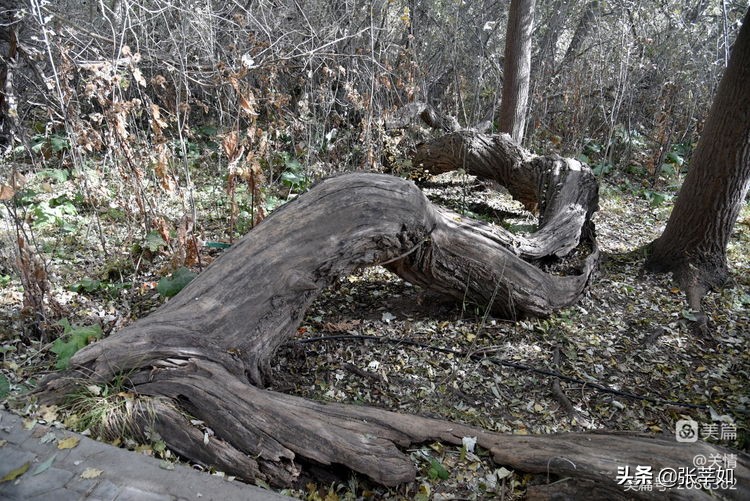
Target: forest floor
626 350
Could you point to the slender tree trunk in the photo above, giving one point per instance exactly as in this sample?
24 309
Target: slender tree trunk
544 60
584 25
694 242
517 69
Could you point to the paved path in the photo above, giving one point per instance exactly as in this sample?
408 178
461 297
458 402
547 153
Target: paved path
125 475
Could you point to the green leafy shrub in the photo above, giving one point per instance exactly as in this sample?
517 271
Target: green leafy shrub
170 286
73 339
56 175
91 286
86 285
437 470
40 143
655 198
53 213
294 175
602 168
150 245
4 386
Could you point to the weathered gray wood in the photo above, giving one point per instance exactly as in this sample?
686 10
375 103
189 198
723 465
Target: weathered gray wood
563 191
251 300
205 351
274 429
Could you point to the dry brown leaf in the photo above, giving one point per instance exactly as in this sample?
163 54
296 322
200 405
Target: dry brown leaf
6 192
68 443
341 326
247 103
230 144
157 122
49 413
138 76
91 473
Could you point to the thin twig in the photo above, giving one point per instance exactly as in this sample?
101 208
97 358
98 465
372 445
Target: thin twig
560 396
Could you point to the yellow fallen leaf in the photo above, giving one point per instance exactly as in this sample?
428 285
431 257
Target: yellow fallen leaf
503 472
14 474
538 408
3 442
68 443
145 449
700 369
6 192
49 413
425 490
91 473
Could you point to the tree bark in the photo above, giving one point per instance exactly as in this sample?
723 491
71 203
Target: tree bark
543 63
562 191
517 69
201 356
579 35
262 435
694 242
249 302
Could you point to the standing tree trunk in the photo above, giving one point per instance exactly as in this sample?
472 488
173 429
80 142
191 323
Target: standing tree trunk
517 68
543 63
583 28
694 243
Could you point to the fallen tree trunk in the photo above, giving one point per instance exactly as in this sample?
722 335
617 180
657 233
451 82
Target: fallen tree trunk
562 191
204 353
273 429
263 435
251 300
